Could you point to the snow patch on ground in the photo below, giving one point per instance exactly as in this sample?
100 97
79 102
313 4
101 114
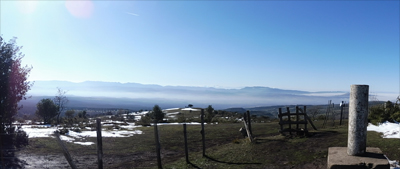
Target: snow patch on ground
172 109
67 139
84 143
119 133
174 113
130 126
393 163
389 130
190 123
35 131
190 109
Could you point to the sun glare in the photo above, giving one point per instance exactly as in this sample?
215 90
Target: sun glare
27 7
80 9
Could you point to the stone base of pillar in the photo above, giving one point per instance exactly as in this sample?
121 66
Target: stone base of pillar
373 158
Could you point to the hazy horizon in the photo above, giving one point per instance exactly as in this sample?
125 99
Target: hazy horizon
248 94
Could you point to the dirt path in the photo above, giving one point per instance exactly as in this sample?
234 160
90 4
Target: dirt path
58 161
52 161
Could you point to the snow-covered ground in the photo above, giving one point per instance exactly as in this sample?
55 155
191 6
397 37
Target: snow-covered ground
191 109
171 109
139 113
189 123
35 131
173 113
388 130
113 133
129 130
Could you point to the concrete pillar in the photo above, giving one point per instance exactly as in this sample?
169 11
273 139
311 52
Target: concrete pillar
358 120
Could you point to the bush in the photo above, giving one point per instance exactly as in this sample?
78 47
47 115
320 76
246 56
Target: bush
396 116
181 118
144 121
387 112
63 131
209 114
21 139
14 138
157 113
77 129
377 114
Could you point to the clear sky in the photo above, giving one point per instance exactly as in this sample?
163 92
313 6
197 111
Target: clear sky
300 45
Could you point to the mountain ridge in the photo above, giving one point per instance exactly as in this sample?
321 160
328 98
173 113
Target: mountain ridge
148 95
138 87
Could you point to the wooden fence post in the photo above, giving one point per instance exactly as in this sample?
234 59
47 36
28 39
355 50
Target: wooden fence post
280 120
186 147
65 151
99 144
158 147
203 133
341 113
297 117
249 122
289 120
305 119
246 126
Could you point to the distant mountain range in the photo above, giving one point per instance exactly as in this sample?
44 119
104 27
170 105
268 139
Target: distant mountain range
92 94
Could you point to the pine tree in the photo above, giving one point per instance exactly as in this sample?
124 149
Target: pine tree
158 115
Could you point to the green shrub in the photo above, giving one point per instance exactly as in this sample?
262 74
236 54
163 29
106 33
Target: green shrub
396 116
377 114
181 118
384 112
144 121
77 129
14 138
21 138
63 131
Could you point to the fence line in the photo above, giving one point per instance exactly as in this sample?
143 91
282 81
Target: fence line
99 145
65 151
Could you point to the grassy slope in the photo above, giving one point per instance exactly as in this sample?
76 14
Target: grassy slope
273 151
225 147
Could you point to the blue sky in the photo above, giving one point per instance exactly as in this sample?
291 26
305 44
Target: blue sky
300 45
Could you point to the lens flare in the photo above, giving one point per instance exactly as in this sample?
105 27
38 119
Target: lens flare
80 9
27 7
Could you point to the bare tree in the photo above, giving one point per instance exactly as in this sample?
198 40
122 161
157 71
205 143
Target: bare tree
70 114
60 100
314 111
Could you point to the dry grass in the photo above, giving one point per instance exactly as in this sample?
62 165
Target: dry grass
226 148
